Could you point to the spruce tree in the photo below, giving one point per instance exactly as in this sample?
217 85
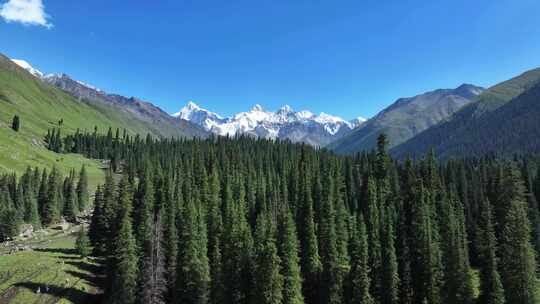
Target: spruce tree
154 284
51 213
359 275
288 249
215 231
268 281
70 201
332 275
82 189
426 268
491 289
82 244
193 273
16 123
124 278
97 230
237 248
373 226
457 286
389 276
518 265
309 254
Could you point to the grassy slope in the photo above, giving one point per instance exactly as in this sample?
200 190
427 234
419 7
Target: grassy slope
69 278
40 106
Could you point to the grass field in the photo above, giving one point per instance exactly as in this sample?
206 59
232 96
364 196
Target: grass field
49 273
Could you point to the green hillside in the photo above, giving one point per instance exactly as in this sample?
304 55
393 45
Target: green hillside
40 107
501 121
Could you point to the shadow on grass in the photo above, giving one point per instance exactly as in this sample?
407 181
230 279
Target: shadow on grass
57 250
87 267
93 280
71 294
69 257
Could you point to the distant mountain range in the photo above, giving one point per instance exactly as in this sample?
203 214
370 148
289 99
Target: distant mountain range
407 117
303 126
465 121
285 123
504 120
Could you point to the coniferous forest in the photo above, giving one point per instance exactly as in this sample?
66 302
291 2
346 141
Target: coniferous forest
248 220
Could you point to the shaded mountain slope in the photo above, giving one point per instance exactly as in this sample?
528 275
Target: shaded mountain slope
407 117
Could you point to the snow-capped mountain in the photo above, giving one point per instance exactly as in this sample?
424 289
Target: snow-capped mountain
285 123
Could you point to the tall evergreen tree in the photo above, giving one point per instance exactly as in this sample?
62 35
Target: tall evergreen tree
82 189
268 281
51 213
389 276
491 289
124 277
518 265
193 273
309 258
16 123
288 249
426 268
359 274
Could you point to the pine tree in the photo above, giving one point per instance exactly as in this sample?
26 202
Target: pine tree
268 281
518 265
70 201
82 189
425 263
389 276
109 212
171 241
237 248
51 212
82 244
143 211
374 238
457 286
42 195
124 277
491 289
332 275
16 123
359 274
98 225
309 254
30 206
288 249
193 273
154 284
215 231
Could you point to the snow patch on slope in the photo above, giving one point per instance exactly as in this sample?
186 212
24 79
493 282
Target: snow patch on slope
25 65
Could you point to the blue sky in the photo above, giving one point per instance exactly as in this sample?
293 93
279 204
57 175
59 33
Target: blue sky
348 58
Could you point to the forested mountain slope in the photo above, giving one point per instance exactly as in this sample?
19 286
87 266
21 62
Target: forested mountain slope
407 117
504 120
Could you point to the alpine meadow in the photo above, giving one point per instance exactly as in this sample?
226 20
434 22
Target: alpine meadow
181 196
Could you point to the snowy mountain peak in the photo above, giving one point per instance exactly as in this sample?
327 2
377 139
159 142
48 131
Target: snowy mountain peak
25 65
303 126
192 106
357 121
257 108
285 109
